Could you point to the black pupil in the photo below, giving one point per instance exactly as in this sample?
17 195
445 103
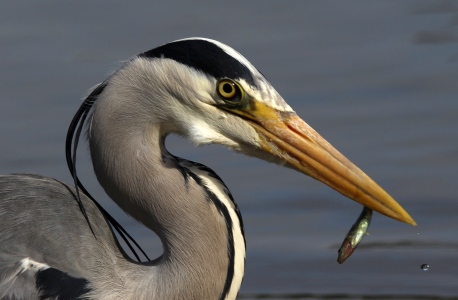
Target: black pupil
228 88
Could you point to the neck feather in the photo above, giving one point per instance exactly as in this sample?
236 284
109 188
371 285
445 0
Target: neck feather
187 206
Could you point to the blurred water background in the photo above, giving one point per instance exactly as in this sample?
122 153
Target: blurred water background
378 79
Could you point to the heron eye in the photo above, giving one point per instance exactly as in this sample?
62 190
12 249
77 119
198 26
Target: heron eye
229 90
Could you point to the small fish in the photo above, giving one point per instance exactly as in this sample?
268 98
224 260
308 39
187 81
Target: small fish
355 235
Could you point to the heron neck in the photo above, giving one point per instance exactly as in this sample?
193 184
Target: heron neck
137 172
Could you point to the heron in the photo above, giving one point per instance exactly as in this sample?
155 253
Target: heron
57 243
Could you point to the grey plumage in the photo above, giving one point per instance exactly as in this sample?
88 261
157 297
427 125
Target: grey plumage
29 208
47 248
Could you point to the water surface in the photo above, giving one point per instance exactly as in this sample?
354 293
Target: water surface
377 79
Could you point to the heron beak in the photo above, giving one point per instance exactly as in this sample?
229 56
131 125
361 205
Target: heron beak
290 139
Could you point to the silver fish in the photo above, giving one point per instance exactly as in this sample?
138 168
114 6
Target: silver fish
355 235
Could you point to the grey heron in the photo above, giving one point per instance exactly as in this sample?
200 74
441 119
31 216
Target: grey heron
55 243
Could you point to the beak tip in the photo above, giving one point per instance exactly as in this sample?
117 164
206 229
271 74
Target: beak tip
405 218
411 222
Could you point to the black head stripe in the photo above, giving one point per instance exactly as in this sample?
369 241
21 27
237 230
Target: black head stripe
204 56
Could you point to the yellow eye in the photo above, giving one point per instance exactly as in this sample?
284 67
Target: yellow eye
229 90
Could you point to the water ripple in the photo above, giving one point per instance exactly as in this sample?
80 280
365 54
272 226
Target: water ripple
406 244
311 296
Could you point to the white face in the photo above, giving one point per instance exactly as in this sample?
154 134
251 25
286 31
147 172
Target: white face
195 108
191 107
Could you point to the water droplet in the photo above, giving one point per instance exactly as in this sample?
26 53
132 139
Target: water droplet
425 267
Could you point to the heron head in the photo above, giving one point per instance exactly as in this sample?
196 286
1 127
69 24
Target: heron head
223 99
